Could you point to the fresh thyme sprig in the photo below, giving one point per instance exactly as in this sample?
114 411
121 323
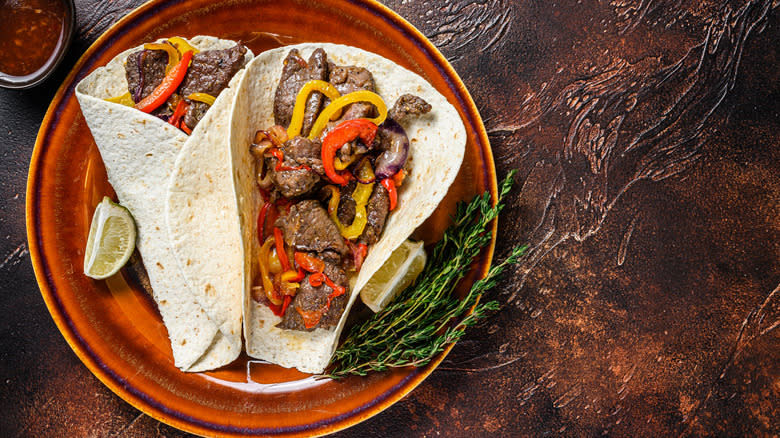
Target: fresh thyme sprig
426 317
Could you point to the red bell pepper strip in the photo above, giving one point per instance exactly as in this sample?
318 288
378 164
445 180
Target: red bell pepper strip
309 263
181 108
170 83
280 309
359 252
389 184
278 238
261 221
317 279
279 155
312 318
265 194
183 126
346 131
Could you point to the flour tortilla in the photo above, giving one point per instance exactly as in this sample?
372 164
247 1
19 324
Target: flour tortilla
437 146
140 152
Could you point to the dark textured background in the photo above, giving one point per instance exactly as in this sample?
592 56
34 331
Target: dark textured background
647 135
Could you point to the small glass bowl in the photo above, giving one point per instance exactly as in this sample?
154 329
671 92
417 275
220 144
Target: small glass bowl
38 76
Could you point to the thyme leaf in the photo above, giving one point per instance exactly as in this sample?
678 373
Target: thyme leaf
426 317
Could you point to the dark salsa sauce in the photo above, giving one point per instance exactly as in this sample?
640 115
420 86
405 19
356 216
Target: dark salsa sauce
30 33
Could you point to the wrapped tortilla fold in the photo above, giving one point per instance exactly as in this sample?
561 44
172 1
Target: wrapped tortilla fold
201 313
437 146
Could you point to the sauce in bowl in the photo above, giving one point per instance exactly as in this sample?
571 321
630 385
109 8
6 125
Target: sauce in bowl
34 35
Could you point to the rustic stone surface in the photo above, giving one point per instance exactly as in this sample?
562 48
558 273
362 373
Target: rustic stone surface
646 136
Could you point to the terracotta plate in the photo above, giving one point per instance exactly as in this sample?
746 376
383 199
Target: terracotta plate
113 325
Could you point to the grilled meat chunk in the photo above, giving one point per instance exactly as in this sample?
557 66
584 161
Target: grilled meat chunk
145 70
347 79
313 301
210 72
298 151
307 227
295 73
408 105
377 209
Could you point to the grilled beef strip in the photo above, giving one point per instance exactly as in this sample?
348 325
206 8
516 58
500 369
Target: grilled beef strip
308 228
377 209
314 299
347 79
296 183
295 73
346 210
145 70
408 105
210 72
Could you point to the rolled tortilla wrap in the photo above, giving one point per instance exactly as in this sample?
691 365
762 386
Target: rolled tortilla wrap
437 146
139 152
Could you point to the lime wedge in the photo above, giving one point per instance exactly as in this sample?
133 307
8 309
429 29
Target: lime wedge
111 240
398 272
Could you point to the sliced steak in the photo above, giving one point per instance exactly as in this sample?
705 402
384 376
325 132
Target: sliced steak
346 211
305 151
299 151
314 300
295 73
307 227
145 70
408 105
347 79
210 72
377 209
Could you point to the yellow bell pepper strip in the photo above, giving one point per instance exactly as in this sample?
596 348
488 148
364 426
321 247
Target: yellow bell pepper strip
361 195
293 277
345 131
335 198
389 185
178 113
274 265
202 97
182 45
358 223
336 105
279 239
173 54
265 276
296 122
170 83
125 99
340 165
